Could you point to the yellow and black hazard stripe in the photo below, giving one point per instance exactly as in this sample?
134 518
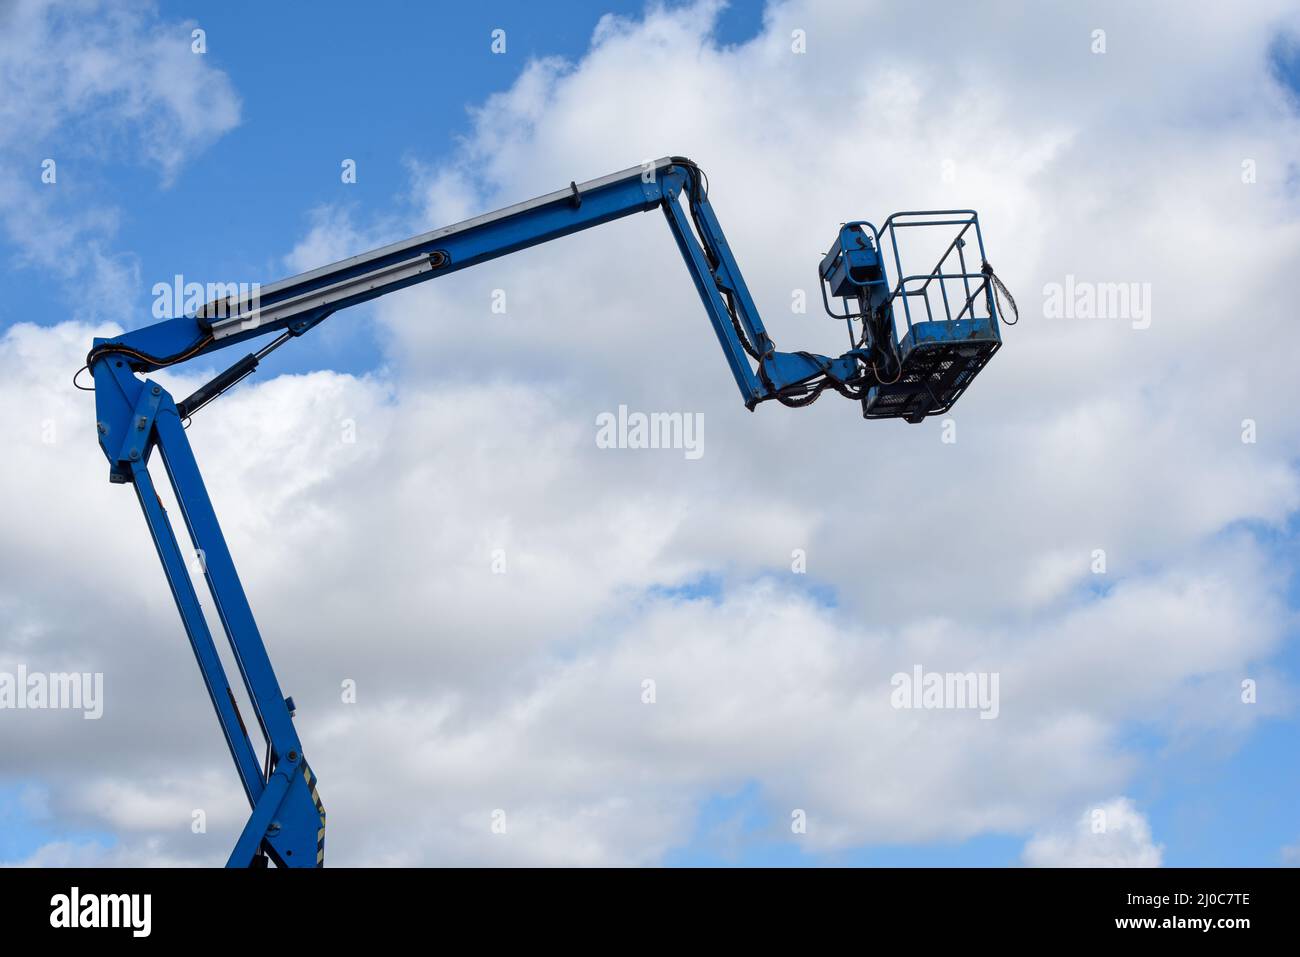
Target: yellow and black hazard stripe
320 809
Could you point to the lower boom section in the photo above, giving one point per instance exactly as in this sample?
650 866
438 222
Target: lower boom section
287 824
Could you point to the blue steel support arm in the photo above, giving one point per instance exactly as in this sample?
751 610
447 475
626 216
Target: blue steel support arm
294 305
711 295
205 650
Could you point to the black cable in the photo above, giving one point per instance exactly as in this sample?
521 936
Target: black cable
157 362
1000 290
808 398
740 333
700 191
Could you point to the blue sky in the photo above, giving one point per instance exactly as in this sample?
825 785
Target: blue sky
397 89
380 90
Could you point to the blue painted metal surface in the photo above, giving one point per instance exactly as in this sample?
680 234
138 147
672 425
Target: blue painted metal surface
937 356
136 416
853 269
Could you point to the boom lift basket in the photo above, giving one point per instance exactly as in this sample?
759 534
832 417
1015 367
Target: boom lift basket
941 325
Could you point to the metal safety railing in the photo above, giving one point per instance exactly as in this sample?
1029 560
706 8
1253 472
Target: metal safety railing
973 282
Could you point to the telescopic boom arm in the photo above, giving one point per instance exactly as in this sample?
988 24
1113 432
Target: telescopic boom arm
921 374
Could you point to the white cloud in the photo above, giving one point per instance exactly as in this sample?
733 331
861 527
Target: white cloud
371 560
148 853
1114 834
81 84
108 69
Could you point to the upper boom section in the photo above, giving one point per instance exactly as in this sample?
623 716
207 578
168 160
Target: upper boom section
473 241
299 302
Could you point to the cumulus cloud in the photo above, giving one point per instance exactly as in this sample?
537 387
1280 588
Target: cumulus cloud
148 853
83 83
523 691
365 511
1290 855
1115 834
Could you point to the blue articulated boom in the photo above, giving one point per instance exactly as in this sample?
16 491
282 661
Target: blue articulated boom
918 374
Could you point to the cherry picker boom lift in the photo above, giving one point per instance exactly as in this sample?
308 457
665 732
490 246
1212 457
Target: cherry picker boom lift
912 375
